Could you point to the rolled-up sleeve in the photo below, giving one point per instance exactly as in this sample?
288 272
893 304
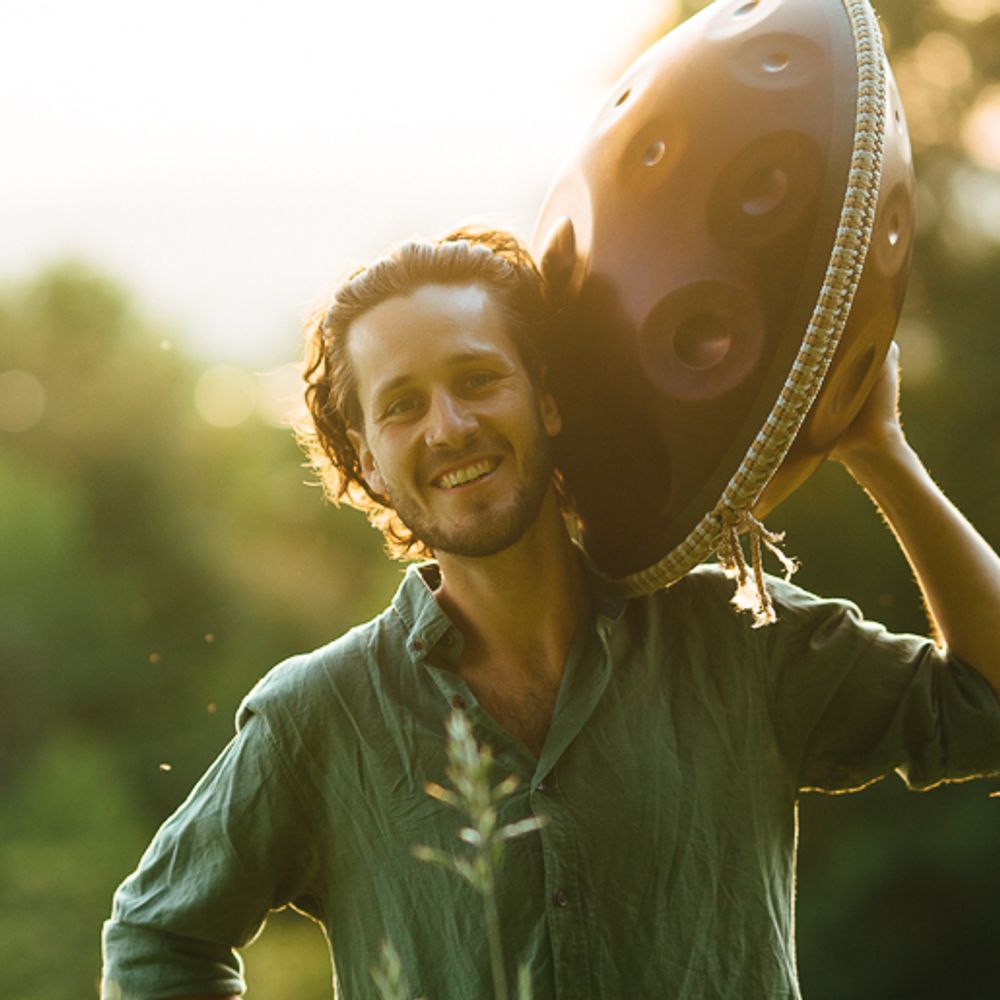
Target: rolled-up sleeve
237 848
853 701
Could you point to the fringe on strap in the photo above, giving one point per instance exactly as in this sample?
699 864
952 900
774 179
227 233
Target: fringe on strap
751 590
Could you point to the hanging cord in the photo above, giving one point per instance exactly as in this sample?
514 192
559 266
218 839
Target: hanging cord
751 591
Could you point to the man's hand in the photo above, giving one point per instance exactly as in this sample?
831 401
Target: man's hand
876 428
957 571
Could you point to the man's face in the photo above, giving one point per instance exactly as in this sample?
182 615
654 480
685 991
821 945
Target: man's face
456 435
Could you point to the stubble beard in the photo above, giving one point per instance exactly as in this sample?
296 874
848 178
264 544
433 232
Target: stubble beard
495 529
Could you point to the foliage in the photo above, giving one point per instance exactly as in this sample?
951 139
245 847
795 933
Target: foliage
152 568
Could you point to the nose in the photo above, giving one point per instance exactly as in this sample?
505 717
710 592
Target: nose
450 422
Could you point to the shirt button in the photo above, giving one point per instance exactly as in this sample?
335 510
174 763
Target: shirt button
418 644
457 701
560 898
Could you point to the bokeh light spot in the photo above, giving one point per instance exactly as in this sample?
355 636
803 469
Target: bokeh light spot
280 397
22 401
970 10
943 61
225 396
981 130
974 202
921 357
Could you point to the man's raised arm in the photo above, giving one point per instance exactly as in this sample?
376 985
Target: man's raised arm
957 571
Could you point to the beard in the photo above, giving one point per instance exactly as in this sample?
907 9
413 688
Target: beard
495 527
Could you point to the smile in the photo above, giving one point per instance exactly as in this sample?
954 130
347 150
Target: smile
466 474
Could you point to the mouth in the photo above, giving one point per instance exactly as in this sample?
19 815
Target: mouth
453 479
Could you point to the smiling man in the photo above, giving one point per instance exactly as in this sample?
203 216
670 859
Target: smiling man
664 740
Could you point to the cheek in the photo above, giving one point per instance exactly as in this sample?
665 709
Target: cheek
392 457
371 468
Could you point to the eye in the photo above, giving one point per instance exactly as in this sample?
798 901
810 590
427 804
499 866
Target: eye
479 380
401 407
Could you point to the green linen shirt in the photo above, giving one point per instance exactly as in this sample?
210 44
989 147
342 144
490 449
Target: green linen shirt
680 741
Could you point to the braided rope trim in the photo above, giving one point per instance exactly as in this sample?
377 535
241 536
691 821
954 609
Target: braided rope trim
719 530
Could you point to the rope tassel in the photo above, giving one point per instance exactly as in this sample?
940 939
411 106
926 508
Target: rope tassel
751 588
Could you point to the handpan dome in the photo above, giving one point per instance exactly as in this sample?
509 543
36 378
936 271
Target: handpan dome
729 251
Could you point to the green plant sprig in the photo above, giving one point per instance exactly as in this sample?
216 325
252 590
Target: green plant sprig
473 795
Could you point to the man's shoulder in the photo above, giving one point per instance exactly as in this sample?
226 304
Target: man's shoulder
706 588
304 686
705 596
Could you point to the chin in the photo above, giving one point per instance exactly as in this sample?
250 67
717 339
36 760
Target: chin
477 543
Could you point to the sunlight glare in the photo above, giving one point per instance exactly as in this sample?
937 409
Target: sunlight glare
229 160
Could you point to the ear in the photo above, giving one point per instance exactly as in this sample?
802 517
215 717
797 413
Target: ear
369 467
551 417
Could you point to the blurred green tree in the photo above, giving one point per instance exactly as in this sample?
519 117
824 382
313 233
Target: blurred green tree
154 566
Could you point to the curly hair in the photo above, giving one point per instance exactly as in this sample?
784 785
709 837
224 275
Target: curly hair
493 258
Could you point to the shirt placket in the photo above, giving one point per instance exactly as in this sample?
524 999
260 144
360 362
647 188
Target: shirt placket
586 679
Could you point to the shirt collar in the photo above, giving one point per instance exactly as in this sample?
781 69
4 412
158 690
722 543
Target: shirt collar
426 624
428 627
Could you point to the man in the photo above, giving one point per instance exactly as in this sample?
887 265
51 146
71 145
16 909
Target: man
663 739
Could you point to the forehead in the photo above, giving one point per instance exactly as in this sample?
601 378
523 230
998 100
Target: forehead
408 336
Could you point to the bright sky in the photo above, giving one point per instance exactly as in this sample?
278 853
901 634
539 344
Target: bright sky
229 160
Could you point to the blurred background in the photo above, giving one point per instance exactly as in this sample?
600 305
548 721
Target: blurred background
179 184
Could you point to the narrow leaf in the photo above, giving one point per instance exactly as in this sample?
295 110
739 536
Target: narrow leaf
435 791
521 827
432 856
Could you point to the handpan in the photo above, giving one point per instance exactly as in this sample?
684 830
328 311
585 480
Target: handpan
728 251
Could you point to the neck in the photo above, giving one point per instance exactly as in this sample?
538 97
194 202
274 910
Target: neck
522 605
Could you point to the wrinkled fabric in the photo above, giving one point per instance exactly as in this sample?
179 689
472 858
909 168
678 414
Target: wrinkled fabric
680 741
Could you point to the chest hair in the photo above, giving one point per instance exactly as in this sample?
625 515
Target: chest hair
523 710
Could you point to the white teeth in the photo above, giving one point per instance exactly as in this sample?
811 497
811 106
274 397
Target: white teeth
470 472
